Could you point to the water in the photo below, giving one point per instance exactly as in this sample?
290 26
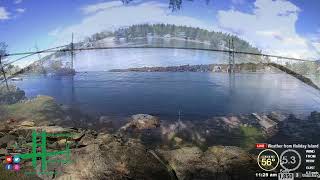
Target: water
196 95
103 60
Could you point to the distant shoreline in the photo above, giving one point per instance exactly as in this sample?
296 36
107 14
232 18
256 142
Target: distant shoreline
243 67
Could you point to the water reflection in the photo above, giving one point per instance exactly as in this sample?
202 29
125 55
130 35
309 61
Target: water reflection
197 95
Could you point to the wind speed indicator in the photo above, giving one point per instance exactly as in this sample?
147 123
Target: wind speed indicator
290 160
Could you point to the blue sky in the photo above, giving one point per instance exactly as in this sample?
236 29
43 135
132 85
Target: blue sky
276 26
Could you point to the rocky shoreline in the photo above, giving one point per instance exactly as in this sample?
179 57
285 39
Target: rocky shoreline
146 147
239 68
119 156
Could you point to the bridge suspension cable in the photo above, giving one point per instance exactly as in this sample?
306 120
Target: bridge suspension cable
28 54
149 47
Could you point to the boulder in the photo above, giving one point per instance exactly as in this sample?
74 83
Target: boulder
217 162
142 121
266 123
314 116
4 128
27 123
277 116
54 129
177 140
86 140
183 160
297 130
103 138
7 140
231 122
11 121
108 157
105 120
3 152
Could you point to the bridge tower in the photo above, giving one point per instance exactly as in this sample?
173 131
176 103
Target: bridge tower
229 49
233 61
72 53
231 68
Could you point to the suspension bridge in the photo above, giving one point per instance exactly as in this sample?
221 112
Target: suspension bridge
230 51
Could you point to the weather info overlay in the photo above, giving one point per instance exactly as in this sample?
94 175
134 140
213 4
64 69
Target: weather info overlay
288 161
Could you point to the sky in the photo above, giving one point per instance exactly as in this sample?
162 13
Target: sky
282 27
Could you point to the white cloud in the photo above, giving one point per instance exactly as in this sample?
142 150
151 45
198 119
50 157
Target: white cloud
18 1
112 15
315 40
55 32
93 8
238 1
271 27
4 14
316 36
20 10
317 46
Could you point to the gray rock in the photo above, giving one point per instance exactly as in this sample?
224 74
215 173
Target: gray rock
104 119
3 152
142 121
276 116
107 157
264 121
27 124
87 139
106 122
7 139
314 116
231 122
218 162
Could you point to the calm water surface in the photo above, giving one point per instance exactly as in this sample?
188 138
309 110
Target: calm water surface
196 95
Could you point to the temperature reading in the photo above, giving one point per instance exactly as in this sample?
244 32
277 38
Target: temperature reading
268 160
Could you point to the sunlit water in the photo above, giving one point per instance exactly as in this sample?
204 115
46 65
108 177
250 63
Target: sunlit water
196 95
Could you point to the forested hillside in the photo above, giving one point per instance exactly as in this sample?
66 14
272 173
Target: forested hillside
217 40
165 34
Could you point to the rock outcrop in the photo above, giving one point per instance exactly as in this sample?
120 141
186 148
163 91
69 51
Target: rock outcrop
109 156
141 122
182 149
217 162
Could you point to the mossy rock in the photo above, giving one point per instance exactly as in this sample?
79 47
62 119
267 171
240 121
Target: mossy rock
250 136
42 108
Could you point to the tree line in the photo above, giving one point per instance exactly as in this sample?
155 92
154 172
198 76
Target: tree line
217 40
